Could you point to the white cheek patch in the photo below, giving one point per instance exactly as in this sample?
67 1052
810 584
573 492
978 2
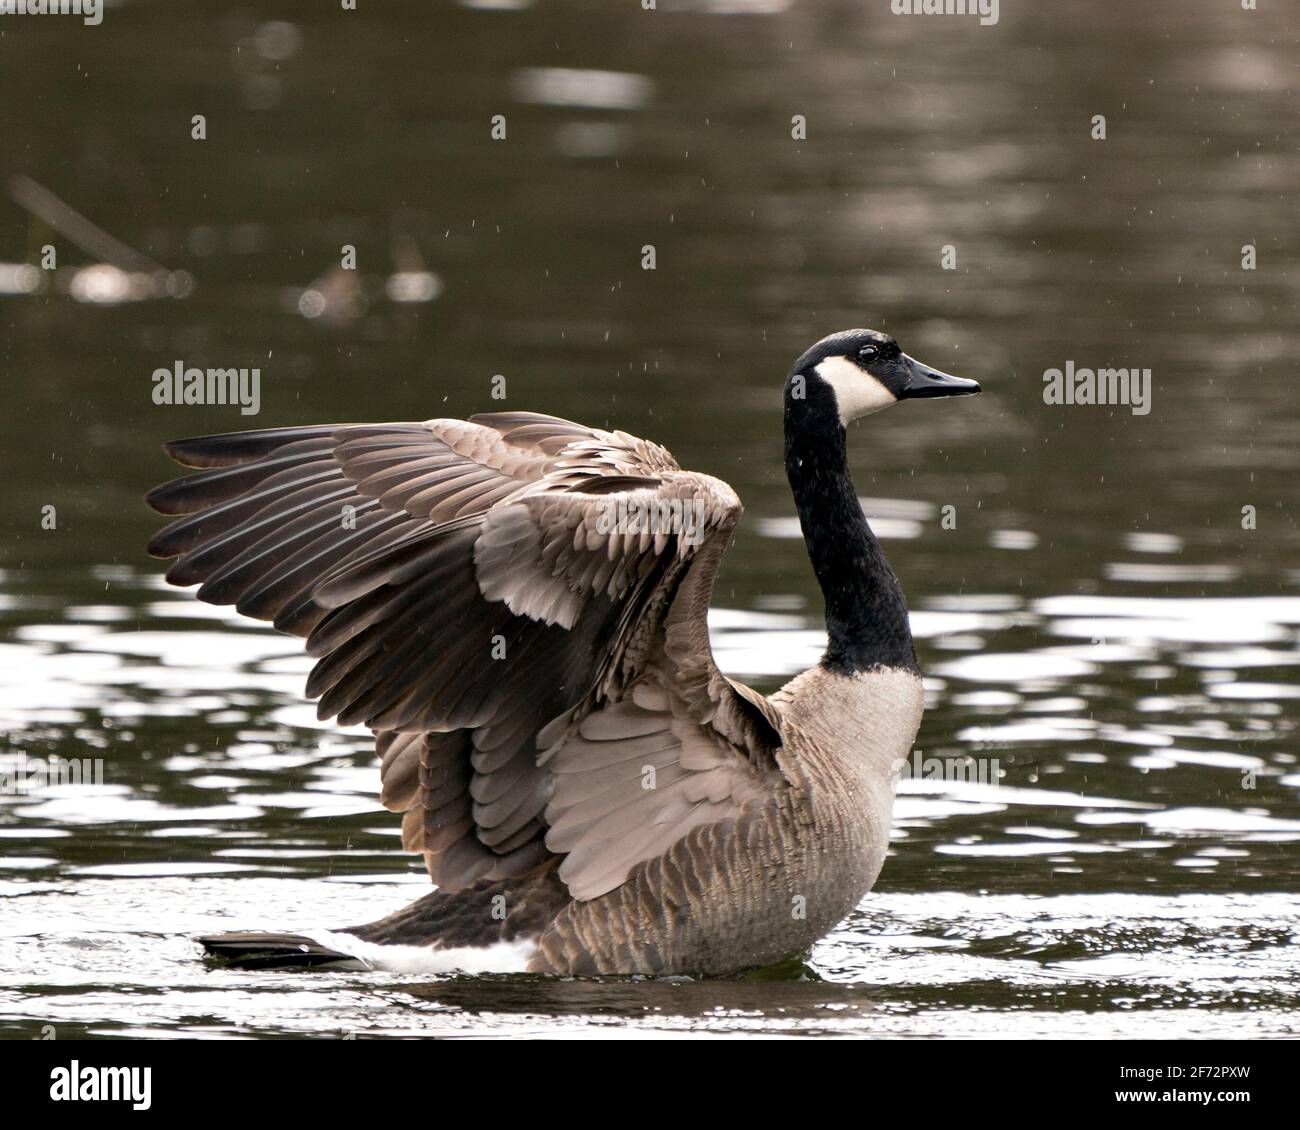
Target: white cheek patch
857 392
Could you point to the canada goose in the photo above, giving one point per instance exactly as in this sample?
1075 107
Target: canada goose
516 605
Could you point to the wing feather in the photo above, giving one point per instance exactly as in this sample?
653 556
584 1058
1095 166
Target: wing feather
471 591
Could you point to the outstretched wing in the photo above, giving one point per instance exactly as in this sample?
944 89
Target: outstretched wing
515 603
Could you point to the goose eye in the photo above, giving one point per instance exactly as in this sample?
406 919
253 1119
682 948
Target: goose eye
868 353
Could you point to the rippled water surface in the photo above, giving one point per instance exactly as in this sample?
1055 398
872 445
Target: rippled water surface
1105 603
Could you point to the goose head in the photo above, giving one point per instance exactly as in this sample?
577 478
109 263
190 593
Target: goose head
857 372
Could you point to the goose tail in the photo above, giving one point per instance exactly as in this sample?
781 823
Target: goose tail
491 926
259 950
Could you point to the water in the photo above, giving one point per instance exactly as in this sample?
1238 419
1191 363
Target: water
1098 622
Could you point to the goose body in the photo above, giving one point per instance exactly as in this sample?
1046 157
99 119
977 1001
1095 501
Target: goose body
516 605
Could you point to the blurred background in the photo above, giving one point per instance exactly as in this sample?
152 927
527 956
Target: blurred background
1098 622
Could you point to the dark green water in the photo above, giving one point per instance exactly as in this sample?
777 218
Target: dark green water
1098 622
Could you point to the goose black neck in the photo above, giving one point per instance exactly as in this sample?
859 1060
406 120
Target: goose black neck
866 614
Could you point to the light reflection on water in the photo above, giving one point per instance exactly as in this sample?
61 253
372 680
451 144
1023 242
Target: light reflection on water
1098 622
114 961
1115 876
